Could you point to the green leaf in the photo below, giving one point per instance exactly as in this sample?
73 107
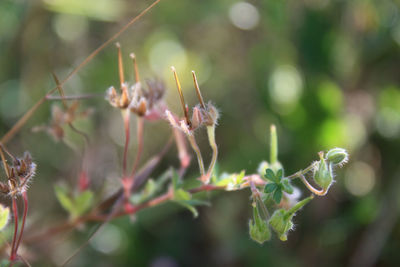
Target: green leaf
190 207
239 177
175 180
4 216
64 199
269 188
269 174
181 194
277 195
279 174
83 202
287 187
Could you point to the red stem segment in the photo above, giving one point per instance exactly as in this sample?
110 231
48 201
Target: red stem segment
127 138
13 255
140 127
25 198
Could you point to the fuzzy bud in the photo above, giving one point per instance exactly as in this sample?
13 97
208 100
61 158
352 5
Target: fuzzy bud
323 175
337 156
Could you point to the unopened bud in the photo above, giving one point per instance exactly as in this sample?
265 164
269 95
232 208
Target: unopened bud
337 156
323 175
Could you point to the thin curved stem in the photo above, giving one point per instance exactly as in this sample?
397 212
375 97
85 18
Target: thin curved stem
196 149
313 190
214 147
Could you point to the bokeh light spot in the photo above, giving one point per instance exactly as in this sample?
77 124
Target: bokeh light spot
244 16
108 240
359 179
285 87
70 27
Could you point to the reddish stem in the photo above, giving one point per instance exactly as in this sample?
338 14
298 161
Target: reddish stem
25 198
140 127
13 255
127 138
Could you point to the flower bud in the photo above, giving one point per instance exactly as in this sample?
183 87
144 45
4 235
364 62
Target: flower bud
262 167
323 175
337 156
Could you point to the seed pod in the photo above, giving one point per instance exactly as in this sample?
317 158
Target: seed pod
323 175
281 220
337 156
258 229
281 223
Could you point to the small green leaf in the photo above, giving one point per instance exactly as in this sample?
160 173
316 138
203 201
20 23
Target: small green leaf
279 174
64 199
190 207
4 216
185 199
287 187
83 202
181 194
269 174
239 177
175 180
269 188
277 195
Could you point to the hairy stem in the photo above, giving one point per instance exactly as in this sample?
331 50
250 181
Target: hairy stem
274 145
196 149
313 190
213 144
302 172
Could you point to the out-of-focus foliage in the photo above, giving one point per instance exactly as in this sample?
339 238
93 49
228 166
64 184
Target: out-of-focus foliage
326 72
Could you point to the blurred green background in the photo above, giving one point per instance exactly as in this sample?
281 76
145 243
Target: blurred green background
326 72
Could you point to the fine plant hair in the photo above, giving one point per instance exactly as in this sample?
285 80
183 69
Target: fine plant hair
270 188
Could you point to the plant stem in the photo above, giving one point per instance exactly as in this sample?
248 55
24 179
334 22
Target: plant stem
73 97
273 145
13 255
213 144
25 198
196 149
302 172
317 192
140 129
126 117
